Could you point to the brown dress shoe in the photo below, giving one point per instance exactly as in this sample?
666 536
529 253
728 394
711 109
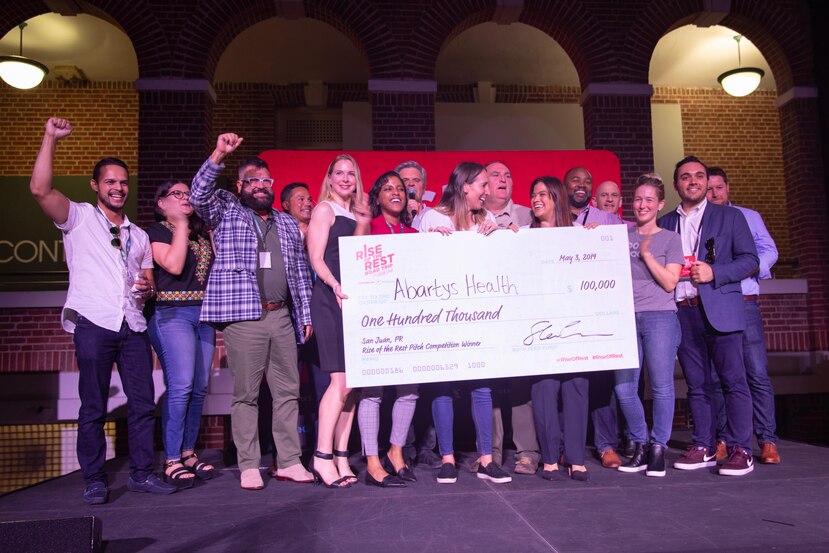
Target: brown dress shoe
610 460
769 453
722 450
525 465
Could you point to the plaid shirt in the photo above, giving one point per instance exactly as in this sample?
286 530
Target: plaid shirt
232 291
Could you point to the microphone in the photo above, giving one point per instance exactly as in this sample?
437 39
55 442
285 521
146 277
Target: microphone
412 195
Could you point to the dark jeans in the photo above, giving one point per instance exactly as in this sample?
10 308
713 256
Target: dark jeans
97 349
757 373
603 411
701 346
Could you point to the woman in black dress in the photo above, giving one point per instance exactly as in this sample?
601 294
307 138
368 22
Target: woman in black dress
342 211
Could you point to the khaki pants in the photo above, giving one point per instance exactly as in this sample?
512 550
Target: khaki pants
255 348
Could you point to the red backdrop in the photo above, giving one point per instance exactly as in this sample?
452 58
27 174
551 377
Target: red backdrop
309 166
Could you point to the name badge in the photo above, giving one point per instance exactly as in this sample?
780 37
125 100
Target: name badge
685 272
264 260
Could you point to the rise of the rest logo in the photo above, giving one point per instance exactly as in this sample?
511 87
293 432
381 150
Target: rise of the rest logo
374 260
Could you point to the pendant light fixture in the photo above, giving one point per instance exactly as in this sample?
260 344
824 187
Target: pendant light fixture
743 80
21 72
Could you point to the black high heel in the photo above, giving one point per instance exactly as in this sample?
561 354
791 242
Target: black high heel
352 479
318 478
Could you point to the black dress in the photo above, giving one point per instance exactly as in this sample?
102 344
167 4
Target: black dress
326 315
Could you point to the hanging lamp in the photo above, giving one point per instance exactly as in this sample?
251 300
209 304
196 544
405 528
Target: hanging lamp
743 80
19 71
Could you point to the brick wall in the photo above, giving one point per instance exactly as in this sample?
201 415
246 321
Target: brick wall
741 135
104 116
403 121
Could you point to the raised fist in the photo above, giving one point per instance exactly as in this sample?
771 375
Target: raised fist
59 128
228 142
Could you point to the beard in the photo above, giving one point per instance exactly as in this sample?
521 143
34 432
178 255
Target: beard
247 199
577 204
106 201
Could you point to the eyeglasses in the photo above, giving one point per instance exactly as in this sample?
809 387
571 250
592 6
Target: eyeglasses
253 181
711 255
116 237
178 194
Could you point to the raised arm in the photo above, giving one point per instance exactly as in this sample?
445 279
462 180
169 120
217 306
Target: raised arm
202 190
53 203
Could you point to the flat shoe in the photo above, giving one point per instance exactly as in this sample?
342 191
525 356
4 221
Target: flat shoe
525 465
280 478
251 480
579 475
389 481
553 475
406 474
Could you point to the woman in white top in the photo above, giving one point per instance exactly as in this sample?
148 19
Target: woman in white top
341 211
462 208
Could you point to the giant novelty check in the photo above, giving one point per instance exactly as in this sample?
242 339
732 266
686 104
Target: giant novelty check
428 307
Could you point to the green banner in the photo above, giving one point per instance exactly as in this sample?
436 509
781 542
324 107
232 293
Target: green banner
31 247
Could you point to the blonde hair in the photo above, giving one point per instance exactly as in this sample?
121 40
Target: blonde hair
325 189
453 201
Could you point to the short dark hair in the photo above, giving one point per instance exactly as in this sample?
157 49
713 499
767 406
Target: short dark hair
717 172
688 159
285 195
197 225
257 162
96 172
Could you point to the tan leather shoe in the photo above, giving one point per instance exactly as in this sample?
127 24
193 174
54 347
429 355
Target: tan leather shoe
769 454
610 460
722 450
252 480
525 465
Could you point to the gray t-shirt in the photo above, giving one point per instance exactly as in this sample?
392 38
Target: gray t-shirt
648 295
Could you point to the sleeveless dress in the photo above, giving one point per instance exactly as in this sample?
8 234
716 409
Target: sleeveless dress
326 315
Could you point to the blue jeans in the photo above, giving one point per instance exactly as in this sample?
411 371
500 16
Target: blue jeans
185 347
657 336
444 417
96 349
757 373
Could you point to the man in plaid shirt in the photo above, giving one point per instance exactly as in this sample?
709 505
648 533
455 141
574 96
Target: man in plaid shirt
258 295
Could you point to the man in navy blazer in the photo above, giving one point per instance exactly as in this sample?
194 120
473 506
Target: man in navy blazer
719 252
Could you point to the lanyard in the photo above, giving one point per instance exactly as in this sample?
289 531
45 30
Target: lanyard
260 236
391 229
125 245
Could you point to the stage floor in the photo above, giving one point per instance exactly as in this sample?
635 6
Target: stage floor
775 508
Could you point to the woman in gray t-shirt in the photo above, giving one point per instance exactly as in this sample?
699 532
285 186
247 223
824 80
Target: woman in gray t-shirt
655 261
